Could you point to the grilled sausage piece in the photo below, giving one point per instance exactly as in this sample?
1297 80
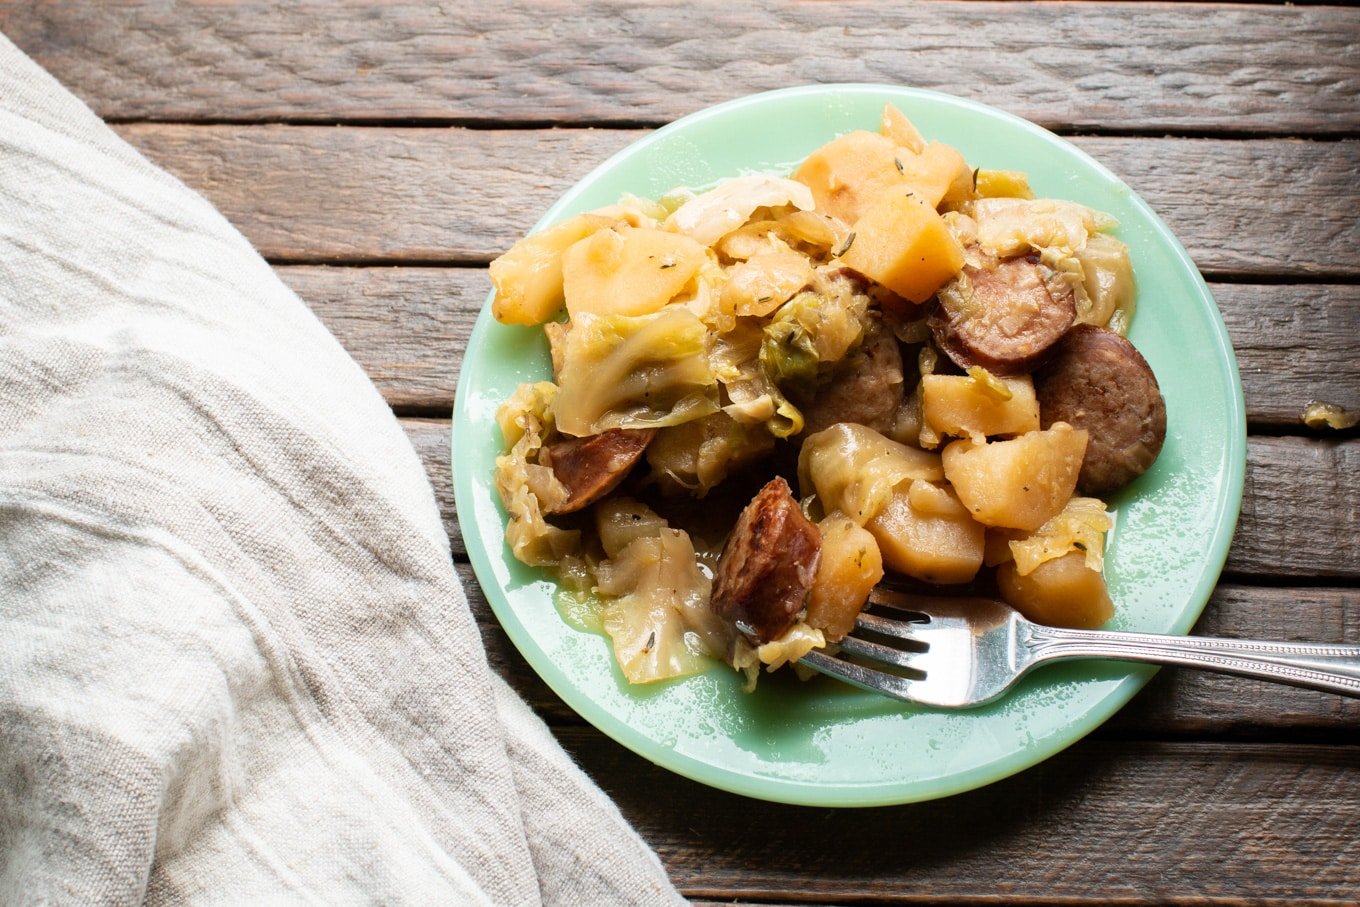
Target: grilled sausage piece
593 466
1007 323
867 389
1096 380
767 565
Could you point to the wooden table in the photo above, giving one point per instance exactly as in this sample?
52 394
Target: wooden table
380 153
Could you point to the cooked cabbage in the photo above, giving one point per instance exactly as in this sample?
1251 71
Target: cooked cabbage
755 397
525 487
796 642
711 216
854 469
697 455
1107 276
1014 226
655 596
634 372
810 232
1081 525
766 281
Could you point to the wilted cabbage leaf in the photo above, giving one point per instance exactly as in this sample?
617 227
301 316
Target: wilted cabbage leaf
1081 525
526 487
854 469
712 215
655 608
634 372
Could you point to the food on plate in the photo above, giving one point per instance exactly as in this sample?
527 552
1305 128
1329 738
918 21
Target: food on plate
1003 318
767 565
1097 381
772 395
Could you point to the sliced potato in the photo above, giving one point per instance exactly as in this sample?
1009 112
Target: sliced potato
848 174
932 546
1020 483
937 174
895 125
1063 592
628 270
962 406
528 278
902 242
850 567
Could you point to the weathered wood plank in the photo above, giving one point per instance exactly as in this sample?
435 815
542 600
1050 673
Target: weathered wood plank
408 327
1300 509
1103 822
1065 65
314 194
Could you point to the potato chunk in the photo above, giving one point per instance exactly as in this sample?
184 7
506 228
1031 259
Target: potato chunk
1020 483
628 271
851 566
960 405
1063 592
846 175
925 532
939 173
902 243
528 278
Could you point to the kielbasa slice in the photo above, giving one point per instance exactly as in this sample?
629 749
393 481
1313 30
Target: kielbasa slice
767 565
1009 320
1098 381
867 389
593 466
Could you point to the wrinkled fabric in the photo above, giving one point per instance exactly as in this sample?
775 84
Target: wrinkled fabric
236 663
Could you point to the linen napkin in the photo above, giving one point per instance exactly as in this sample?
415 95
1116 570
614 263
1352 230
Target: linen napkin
236 664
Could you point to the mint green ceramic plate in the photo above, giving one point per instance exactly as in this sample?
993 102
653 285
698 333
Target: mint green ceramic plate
820 743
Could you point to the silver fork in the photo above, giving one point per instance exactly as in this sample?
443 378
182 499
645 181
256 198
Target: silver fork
959 652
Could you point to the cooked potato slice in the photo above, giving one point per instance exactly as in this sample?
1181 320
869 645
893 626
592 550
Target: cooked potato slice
528 278
904 244
1063 592
628 271
939 543
895 125
851 566
1020 483
846 175
960 405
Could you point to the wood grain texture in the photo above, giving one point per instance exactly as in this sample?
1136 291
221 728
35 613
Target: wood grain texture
408 327
1272 208
1104 822
1065 65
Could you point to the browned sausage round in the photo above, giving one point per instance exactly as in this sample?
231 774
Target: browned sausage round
1096 380
1007 323
593 466
867 389
767 565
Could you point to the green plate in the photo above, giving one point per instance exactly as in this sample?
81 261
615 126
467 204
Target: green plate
820 743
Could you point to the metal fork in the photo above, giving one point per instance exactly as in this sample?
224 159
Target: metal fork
960 652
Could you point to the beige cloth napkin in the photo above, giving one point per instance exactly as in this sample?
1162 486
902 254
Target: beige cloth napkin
236 664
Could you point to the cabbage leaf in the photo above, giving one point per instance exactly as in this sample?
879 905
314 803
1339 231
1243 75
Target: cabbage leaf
623 371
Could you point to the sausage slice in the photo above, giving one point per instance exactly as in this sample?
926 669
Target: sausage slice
1098 381
593 466
1007 323
767 565
867 389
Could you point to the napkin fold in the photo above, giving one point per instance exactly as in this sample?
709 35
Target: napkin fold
236 663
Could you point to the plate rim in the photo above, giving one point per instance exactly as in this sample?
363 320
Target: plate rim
798 792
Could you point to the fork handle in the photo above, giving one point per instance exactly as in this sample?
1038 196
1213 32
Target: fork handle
1335 669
